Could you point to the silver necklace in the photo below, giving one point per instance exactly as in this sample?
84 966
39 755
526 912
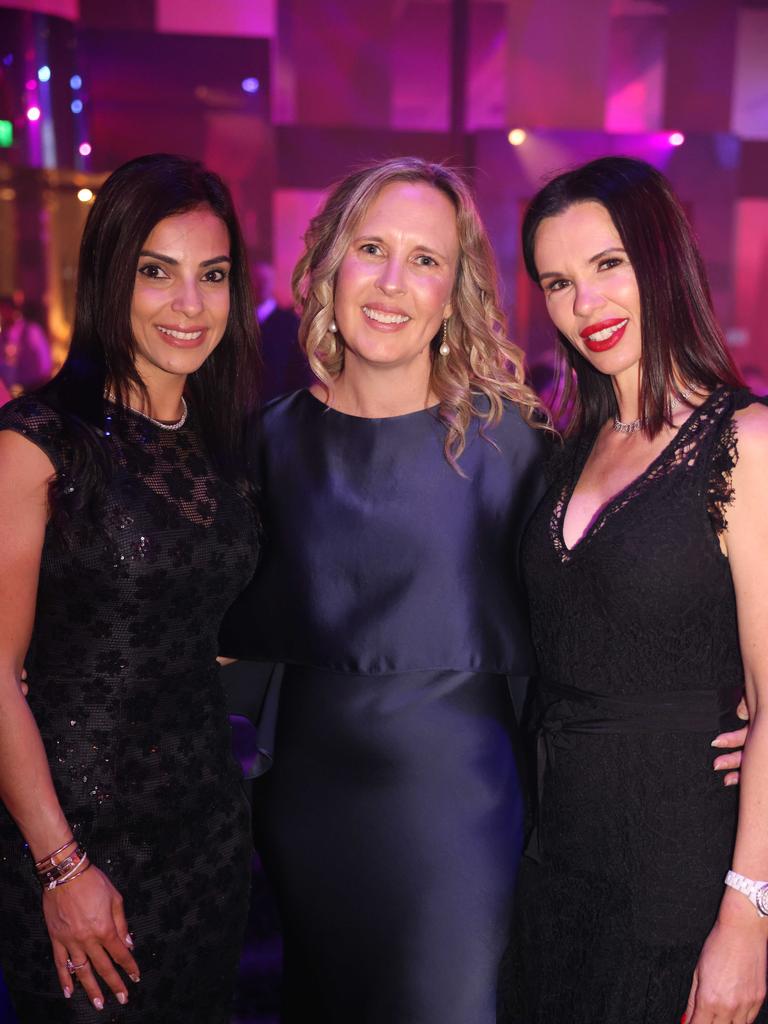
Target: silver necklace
631 428
166 426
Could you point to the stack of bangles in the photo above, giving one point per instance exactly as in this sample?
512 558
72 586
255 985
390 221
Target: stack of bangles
62 866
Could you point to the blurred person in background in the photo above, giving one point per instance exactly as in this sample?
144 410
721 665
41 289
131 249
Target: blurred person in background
25 350
284 367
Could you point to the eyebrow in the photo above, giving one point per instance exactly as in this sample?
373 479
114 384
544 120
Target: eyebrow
592 259
424 248
174 263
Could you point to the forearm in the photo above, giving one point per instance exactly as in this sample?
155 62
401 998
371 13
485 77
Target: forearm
26 786
750 855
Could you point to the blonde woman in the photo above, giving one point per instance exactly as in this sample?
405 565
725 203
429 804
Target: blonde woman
396 489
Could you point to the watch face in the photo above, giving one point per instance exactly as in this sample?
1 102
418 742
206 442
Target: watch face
761 899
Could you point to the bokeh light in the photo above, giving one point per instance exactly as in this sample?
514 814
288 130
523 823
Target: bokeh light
85 149
76 106
517 137
44 73
75 82
676 139
33 114
250 85
85 195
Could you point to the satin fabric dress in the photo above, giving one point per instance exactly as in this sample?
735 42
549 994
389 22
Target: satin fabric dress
390 821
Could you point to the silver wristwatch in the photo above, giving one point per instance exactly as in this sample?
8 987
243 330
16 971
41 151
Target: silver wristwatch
756 892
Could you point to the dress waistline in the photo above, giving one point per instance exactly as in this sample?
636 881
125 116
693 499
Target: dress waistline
568 709
581 711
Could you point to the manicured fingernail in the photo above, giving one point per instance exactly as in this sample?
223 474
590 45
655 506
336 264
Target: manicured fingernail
99 1004
684 1018
129 940
122 998
715 743
731 782
67 993
134 978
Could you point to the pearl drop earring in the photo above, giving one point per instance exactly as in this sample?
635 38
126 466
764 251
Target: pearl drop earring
445 348
332 327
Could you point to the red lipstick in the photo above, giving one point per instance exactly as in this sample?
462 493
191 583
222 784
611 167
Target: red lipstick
603 344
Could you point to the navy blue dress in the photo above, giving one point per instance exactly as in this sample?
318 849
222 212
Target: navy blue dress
390 822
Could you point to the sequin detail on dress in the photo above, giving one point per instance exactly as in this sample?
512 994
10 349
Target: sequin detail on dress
126 694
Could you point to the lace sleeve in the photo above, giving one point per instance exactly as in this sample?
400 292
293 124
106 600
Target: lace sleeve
723 458
719 491
40 424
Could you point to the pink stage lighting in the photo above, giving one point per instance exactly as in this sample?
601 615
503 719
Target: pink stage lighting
676 139
84 149
33 114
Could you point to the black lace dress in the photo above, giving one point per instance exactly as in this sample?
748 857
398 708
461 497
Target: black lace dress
636 635
126 694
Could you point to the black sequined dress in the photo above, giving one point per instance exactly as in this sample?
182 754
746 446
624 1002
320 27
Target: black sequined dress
636 635
126 695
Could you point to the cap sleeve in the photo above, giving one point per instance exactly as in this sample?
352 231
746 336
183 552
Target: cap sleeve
40 424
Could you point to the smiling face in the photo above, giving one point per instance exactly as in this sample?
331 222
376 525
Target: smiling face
394 285
590 286
180 301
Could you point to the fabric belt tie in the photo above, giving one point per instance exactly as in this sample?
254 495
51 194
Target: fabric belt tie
571 710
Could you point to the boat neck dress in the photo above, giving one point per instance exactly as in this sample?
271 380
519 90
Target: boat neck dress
390 822
125 691
636 635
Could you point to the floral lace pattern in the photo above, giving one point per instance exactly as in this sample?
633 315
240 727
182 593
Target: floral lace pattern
126 694
703 435
636 829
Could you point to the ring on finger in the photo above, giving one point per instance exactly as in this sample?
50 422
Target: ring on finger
72 967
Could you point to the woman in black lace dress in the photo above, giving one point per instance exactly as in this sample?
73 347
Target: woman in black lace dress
646 566
125 531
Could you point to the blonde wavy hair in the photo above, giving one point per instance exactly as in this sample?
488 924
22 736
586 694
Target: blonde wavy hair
482 359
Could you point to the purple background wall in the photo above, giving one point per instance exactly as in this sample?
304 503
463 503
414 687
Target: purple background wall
343 81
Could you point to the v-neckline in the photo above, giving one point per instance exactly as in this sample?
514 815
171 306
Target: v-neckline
581 457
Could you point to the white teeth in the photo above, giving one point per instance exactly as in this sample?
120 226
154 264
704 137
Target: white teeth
385 318
602 335
180 335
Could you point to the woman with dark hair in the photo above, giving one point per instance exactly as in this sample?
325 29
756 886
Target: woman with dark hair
126 528
395 492
645 566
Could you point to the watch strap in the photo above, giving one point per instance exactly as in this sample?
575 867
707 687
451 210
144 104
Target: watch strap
748 886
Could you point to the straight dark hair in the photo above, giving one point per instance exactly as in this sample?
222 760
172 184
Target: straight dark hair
681 339
101 358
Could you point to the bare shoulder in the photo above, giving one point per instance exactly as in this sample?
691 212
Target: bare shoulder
24 466
752 435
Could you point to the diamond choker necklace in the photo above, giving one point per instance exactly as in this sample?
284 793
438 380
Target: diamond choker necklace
631 428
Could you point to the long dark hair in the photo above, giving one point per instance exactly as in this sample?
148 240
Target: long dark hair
680 335
101 358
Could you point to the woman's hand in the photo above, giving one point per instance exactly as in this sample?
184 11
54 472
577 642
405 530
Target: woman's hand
87 926
731 763
730 978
